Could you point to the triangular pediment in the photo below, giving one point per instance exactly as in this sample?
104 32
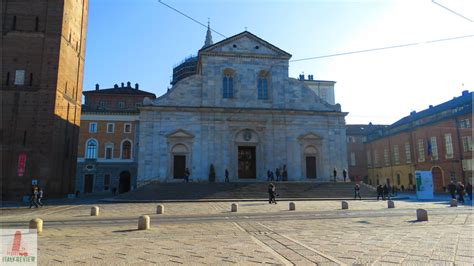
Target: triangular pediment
310 136
180 133
245 44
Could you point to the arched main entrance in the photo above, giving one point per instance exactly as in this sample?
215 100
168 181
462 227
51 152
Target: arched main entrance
437 178
311 155
179 154
124 182
247 148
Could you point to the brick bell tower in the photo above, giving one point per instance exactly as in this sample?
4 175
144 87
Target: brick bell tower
43 48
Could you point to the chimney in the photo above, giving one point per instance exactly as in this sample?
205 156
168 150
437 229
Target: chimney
431 106
97 87
122 84
136 86
301 76
128 85
465 92
412 112
115 86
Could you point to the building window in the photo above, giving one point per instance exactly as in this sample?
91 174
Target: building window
376 158
19 77
126 150
127 128
467 143
369 159
410 179
433 148
398 179
353 159
110 127
109 151
421 150
93 127
106 182
138 105
228 84
121 105
385 156
263 85
91 149
396 154
449 145
464 123
102 104
407 152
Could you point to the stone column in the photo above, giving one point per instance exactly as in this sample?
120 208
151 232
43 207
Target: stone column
160 209
95 211
421 215
144 222
390 204
292 206
345 205
37 224
233 207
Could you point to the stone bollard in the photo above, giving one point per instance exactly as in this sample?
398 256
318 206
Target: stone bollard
421 215
160 209
345 205
390 204
454 202
233 207
37 224
292 206
95 211
144 222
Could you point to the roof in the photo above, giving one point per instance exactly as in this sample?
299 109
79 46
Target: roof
362 129
121 91
239 35
466 97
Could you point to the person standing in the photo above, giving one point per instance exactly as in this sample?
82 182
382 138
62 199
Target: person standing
469 190
186 175
344 174
226 176
452 189
284 173
379 192
461 192
334 172
277 173
385 192
357 192
268 175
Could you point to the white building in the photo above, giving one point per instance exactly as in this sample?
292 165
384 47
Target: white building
240 111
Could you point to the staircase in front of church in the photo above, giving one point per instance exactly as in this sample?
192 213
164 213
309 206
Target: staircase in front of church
248 190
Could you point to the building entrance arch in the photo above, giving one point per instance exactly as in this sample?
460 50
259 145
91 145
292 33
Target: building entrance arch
124 182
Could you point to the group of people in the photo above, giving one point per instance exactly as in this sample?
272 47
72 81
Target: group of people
460 190
383 191
36 197
280 175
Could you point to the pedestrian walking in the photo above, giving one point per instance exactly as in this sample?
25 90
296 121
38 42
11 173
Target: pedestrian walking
277 173
40 197
469 190
186 175
380 192
452 189
344 174
226 173
357 192
34 197
272 193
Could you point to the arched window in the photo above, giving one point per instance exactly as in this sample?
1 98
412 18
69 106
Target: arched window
91 149
126 149
262 85
228 83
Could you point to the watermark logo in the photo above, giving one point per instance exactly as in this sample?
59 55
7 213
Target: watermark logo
19 247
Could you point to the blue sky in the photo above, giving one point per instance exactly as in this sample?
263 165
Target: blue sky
141 40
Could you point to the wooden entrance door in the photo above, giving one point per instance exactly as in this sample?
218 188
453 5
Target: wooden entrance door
247 162
437 179
310 167
88 183
124 182
179 166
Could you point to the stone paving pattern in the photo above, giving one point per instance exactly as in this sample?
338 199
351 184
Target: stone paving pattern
446 239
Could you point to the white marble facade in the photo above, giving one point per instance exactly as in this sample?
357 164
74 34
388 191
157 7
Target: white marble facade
292 126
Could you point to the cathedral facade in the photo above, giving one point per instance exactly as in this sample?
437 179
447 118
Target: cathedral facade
240 111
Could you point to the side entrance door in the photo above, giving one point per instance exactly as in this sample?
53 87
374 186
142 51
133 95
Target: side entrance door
88 183
310 167
179 166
